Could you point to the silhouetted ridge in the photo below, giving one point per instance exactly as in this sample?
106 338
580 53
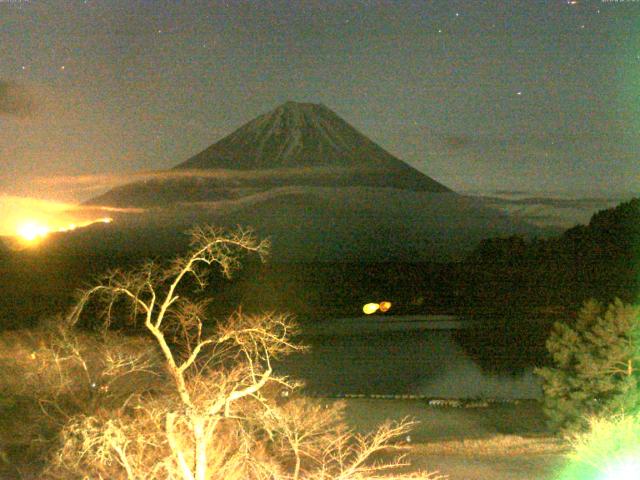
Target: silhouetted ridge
307 135
294 145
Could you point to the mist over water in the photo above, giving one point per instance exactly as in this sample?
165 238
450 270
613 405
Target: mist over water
428 363
463 378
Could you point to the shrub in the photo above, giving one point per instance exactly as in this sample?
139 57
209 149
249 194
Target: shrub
596 366
52 373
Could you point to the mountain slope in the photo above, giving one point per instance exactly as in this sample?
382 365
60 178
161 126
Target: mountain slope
308 223
296 144
303 135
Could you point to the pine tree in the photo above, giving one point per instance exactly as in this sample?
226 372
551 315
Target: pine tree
596 366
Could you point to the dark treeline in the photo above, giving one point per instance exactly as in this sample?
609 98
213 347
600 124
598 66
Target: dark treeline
520 288
600 260
502 276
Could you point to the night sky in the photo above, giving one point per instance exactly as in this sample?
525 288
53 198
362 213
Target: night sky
535 96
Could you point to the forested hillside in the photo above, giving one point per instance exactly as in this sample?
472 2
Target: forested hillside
598 260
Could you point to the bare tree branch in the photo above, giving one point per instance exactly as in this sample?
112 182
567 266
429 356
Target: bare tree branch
223 416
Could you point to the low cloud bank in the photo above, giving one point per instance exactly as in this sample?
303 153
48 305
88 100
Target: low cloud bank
85 187
549 209
15 210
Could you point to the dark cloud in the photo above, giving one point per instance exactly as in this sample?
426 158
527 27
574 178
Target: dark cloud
15 99
553 211
534 140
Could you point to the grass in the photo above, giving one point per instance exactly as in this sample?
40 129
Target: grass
524 419
500 441
500 445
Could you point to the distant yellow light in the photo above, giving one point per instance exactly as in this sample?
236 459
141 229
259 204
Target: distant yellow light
370 308
32 231
385 306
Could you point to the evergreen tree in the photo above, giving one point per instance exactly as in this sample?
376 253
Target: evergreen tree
596 365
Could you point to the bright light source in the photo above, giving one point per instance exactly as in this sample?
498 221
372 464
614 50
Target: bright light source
385 306
628 469
32 231
370 308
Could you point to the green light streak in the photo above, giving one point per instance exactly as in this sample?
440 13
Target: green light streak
609 451
628 469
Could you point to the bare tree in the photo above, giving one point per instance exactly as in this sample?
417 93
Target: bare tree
224 416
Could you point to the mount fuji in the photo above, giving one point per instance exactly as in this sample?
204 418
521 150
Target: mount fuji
321 190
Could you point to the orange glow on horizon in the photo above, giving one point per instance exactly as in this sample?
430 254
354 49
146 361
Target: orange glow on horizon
27 222
32 231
